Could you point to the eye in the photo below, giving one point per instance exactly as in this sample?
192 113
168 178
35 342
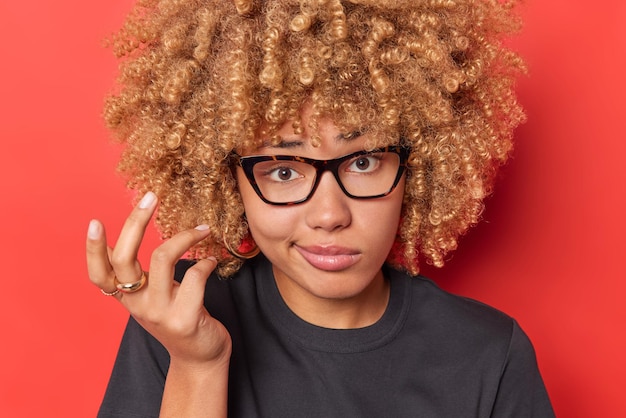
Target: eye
364 164
282 174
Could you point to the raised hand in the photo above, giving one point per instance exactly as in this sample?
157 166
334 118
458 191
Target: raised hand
173 313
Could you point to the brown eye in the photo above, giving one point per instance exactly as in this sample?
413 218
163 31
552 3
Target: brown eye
283 173
362 163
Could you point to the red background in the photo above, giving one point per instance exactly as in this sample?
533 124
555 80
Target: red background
550 251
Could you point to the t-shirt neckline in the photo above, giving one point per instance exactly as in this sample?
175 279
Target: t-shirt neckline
317 338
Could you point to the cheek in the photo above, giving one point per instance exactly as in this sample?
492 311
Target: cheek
383 219
383 223
267 223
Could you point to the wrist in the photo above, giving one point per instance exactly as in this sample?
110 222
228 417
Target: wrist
194 366
196 389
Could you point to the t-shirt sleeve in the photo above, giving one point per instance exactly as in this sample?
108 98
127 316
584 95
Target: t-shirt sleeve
136 386
521 392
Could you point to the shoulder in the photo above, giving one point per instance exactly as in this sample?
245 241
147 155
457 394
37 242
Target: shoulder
447 307
467 341
450 320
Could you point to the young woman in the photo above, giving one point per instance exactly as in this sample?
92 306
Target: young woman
306 155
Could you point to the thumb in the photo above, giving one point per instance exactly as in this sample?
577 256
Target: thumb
191 290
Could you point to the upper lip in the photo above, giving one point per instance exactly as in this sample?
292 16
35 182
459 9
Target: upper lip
328 250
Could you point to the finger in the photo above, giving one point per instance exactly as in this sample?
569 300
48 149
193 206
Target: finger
124 255
165 257
98 266
191 290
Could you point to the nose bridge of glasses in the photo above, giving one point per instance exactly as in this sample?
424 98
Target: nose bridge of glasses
321 166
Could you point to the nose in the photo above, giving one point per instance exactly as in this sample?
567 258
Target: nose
328 209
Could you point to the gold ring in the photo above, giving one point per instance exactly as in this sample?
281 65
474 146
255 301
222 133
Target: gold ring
113 293
131 287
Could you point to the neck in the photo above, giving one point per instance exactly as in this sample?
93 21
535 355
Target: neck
351 311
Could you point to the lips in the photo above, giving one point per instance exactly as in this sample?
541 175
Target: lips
329 258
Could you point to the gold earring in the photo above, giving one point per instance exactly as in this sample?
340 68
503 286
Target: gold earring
243 256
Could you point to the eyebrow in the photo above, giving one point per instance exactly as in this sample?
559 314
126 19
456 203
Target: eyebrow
347 137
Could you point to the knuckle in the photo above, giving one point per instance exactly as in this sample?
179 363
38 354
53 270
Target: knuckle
134 218
93 248
188 235
97 281
195 274
160 255
120 258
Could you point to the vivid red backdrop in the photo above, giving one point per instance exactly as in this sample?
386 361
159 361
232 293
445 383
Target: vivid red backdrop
550 251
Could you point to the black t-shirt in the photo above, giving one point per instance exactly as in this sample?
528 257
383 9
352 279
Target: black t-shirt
432 354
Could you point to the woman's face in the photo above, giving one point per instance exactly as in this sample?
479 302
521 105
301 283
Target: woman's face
331 247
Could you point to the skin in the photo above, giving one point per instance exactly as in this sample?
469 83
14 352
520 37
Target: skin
344 290
326 254
199 346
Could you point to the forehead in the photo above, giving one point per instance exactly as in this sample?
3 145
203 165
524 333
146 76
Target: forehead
326 142
321 131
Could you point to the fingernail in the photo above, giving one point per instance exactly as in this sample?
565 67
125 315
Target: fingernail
147 200
202 227
94 230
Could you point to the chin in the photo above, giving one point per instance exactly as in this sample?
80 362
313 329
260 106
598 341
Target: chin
336 288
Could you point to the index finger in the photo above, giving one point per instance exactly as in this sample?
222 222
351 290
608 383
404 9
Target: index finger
124 255
165 257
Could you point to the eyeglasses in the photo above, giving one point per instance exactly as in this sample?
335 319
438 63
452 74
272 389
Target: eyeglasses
290 179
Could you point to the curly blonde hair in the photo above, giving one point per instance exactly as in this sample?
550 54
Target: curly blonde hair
200 77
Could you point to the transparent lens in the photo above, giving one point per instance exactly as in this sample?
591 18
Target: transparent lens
284 181
369 174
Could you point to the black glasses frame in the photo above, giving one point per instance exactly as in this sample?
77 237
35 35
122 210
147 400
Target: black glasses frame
248 163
